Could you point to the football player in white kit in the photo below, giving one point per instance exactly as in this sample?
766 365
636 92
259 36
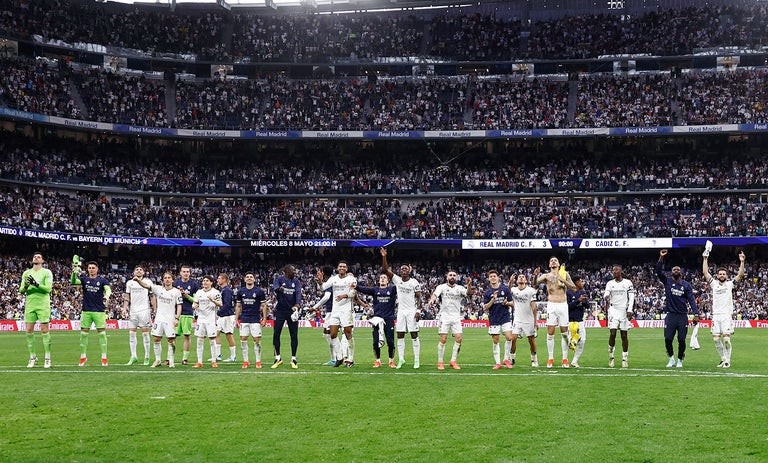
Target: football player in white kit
619 297
342 314
450 294
166 316
722 307
524 320
137 303
408 310
207 301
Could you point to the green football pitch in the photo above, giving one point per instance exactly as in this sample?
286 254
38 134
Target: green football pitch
644 413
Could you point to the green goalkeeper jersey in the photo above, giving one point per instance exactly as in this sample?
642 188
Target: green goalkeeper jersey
38 297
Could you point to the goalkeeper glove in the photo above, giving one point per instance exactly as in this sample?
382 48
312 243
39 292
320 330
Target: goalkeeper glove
76 263
31 281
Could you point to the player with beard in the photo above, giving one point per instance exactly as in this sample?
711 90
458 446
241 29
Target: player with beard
450 294
679 296
722 307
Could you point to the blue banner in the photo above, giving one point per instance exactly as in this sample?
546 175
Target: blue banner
382 134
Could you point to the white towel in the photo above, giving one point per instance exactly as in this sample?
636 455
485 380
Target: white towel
378 321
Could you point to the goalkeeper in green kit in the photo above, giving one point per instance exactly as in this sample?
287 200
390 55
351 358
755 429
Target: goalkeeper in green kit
36 284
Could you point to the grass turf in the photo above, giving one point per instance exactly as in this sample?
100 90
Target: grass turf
645 413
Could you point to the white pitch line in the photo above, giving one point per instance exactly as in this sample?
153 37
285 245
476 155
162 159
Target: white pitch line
554 373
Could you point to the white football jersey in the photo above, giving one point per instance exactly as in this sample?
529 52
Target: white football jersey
406 293
722 297
341 286
522 299
206 309
450 298
620 294
139 295
167 299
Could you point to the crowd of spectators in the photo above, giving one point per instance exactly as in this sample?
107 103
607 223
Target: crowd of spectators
519 104
474 37
219 104
464 34
110 97
406 103
662 32
150 30
316 38
37 87
675 215
626 101
717 98
164 169
686 215
749 296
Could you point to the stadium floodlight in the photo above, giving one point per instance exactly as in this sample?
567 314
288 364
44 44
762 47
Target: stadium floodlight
270 4
309 3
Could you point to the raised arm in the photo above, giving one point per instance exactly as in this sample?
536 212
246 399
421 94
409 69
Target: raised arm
660 266
740 275
705 269
384 265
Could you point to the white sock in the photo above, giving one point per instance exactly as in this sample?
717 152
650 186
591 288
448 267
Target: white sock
344 342
496 353
551 346
416 348
611 350
728 348
455 353
336 348
625 356
564 345
440 351
213 347
200 345
257 350
232 353
327 338
507 349
145 338
401 349
351 349
244 349
132 342
158 350
579 350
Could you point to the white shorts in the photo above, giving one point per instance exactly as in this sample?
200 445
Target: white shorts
343 318
140 320
722 325
205 330
406 322
454 326
226 324
557 314
164 329
617 320
250 329
498 329
524 329
582 332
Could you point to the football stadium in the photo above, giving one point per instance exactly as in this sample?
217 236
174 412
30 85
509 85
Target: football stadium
384 230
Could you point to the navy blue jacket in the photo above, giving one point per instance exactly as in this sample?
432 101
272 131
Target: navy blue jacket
679 293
